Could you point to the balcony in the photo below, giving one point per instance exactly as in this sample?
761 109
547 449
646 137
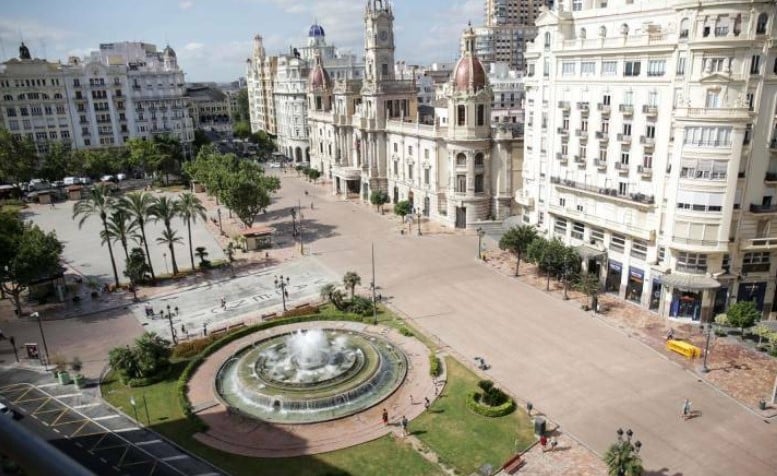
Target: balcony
622 168
523 198
649 110
758 209
562 131
646 172
627 109
583 107
562 158
624 138
580 161
564 105
773 146
600 164
602 136
604 109
583 135
770 177
759 243
647 141
639 198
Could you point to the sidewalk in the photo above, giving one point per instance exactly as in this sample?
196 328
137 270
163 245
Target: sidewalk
742 373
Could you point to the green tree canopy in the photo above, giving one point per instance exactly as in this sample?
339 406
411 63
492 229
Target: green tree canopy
379 198
516 240
743 314
402 208
18 158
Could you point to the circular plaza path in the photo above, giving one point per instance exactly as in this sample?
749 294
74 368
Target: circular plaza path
250 437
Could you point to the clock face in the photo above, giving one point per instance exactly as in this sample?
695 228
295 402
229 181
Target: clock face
383 35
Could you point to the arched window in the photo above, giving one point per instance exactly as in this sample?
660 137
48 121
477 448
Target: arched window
547 39
479 160
684 25
602 32
760 27
461 160
582 33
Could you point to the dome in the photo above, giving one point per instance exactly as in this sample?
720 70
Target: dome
169 51
469 75
316 31
319 78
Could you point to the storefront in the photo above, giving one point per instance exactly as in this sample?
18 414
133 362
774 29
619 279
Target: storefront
635 284
614 274
721 300
753 292
655 294
691 296
686 304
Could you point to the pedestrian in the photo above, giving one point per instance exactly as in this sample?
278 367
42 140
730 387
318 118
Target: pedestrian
553 443
544 443
412 402
686 409
385 416
204 329
311 205
183 329
223 303
427 403
404 425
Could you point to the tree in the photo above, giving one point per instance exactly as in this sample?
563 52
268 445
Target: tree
31 255
379 198
18 158
516 240
141 154
138 205
98 202
200 140
148 357
743 314
535 252
58 162
350 280
402 209
202 253
190 208
165 209
334 296
136 269
247 191
168 155
314 175
121 226
589 284
570 266
242 113
242 129
622 459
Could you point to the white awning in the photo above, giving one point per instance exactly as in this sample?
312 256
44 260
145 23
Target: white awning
689 281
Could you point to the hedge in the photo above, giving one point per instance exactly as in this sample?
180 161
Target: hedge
473 403
435 367
182 385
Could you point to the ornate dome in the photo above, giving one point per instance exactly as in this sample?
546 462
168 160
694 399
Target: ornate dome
169 51
319 78
316 31
469 74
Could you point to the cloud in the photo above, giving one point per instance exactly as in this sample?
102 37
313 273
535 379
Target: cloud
444 30
193 46
42 39
185 4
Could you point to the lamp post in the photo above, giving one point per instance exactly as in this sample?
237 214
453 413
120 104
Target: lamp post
281 283
708 334
164 257
169 317
293 221
36 315
372 285
480 233
418 214
627 449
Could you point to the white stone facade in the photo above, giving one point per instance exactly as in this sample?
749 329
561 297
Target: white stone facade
649 141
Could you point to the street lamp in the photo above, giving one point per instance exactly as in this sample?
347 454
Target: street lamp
418 214
164 257
36 315
281 283
708 333
480 233
169 317
293 222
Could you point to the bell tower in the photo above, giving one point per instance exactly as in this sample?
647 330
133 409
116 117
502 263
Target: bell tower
378 42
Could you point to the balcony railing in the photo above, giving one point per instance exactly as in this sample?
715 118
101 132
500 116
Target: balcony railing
564 105
583 135
562 158
621 167
604 108
645 171
770 177
600 164
603 136
647 141
609 192
626 109
563 131
756 208
650 110
623 138
583 106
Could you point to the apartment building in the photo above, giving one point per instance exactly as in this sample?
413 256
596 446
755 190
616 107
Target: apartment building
650 145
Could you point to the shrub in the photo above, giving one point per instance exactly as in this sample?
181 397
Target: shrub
188 349
494 397
406 332
435 366
301 311
486 385
150 356
360 305
473 403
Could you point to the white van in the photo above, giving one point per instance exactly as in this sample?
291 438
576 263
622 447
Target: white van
71 181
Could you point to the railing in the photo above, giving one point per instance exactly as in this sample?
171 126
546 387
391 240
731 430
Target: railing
604 108
645 171
626 109
770 177
563 131
650 110
626 139
562 157
648 141
694 241
583 106
609 192
600 164
601 135
755 208
713 112
563 105
691 268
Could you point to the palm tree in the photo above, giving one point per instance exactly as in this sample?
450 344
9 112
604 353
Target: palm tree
350 280
121 227
189 209
622 459
138 205
170 239
165 209
98 202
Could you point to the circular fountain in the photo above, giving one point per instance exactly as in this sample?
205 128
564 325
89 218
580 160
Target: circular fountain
310 375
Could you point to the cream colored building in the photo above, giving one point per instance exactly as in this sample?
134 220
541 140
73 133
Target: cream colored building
650 144
367 136
260 82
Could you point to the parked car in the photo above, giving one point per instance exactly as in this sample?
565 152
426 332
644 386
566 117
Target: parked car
85 181
38 184
121 177
71 180
108 178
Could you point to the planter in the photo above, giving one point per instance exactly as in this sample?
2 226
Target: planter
80 381
64 378
762 405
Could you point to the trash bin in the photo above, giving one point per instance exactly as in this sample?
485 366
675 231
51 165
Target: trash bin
539 426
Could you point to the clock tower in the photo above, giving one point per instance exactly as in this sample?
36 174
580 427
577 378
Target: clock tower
378 42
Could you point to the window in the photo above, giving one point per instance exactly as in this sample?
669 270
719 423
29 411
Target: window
583 125
699 201
631 68
396 167
713 99
605 126
547 40
684 28
625 157
587 68
10 112
627 129
617 243
639 249
461 160
577 5
479 188
708 136
426 176
603 155
410 172
628 98
760 26
560 227
461 184
692 262
623 188
756 262
704 169
755 64
609 68
597 236
578 229
656 67
716 65
650 132
606 100
426 153
479 160
567 68
481 116
396 147
384 70
410 150
680 66
461 115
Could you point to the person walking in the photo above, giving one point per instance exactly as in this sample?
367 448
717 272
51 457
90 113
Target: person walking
686 409
385 416
404 425
544 443
223 303
553 443
427 403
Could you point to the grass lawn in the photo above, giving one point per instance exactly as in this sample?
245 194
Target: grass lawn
384 456
463 438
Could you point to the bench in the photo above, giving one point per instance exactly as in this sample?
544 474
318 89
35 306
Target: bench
683 348
513 464
236 326
216 332
268 316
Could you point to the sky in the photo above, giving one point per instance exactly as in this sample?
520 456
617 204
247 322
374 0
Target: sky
213 38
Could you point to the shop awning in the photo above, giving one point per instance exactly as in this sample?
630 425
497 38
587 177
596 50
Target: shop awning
587 252
689 281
